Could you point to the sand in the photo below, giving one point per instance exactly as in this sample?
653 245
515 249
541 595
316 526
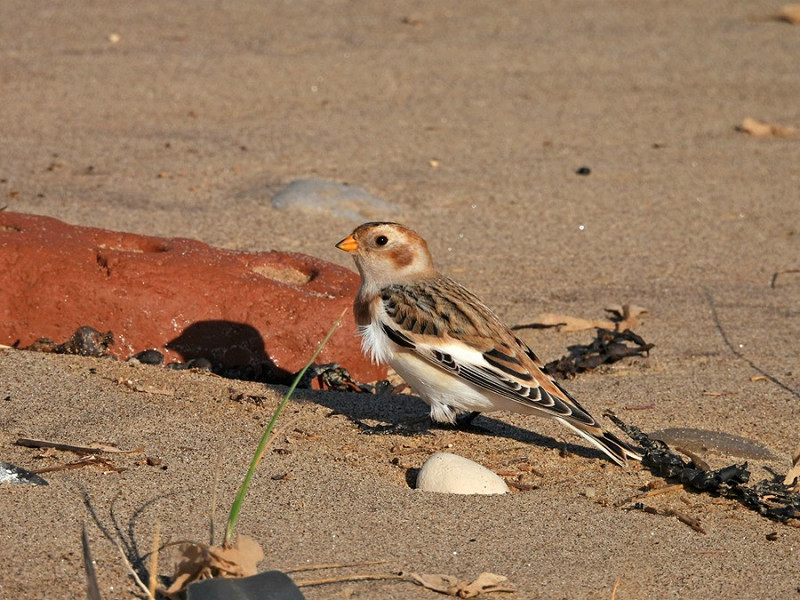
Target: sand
183 119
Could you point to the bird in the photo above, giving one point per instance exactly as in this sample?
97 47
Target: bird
453 351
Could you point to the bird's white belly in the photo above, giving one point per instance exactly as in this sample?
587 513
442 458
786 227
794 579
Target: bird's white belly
447 394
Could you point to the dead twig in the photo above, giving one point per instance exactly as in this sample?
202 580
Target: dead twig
650 493
368 577
80 449
153 580
91 460
132 571
774 278
616 586
669 512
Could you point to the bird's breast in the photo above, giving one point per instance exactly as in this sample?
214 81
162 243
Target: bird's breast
375 342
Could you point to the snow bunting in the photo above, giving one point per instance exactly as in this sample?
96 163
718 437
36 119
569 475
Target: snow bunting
452 350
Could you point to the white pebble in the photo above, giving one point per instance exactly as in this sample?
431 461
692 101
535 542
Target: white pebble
452 474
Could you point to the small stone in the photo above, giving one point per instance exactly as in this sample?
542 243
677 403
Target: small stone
448 473
148 357
335 199
13 474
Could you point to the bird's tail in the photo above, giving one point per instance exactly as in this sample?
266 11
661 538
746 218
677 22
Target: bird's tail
611 445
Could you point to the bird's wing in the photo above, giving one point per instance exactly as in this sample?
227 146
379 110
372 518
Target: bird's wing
464 338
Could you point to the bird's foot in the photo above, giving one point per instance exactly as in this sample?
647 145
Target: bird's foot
464 422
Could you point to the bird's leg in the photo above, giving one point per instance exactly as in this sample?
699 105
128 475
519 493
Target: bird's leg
464 422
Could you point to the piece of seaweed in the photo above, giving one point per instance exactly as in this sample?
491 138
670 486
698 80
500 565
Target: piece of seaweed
770 498
607 347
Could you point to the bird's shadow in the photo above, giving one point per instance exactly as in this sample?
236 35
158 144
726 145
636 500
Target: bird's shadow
237 351
408 415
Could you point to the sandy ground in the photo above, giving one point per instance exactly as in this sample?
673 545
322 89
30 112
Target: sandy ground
471 118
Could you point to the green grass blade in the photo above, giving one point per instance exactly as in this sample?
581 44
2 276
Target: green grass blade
236 508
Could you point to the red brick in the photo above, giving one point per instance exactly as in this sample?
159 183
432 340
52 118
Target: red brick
179 296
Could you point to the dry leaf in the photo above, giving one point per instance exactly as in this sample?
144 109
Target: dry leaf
793 476
624 317
86 461
136 387
200 561
761 129
568 323
451 586
790 13
627 315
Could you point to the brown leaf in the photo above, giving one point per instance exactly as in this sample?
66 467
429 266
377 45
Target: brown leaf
568 323
437 583
625 316
758 128
793 476
84 461
451 586
486 582
200 561
790 13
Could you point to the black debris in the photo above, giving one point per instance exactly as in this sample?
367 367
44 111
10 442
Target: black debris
149 357
86 341
334 377
607 347
770 498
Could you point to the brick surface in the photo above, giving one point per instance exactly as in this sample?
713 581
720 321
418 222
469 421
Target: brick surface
179 296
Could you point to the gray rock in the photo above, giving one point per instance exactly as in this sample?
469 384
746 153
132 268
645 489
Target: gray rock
13 474
703 441
335 199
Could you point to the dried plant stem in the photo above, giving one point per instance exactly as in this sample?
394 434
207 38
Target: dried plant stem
236 508
326 580
132 571
616 586
153 582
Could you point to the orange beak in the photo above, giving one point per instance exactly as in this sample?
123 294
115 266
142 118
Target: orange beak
348 244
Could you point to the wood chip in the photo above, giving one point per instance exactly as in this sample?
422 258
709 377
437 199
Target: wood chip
758 128
790 13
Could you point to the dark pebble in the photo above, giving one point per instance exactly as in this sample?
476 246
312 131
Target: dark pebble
149 357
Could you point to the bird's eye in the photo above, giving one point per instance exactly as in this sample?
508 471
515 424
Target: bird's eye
381 240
